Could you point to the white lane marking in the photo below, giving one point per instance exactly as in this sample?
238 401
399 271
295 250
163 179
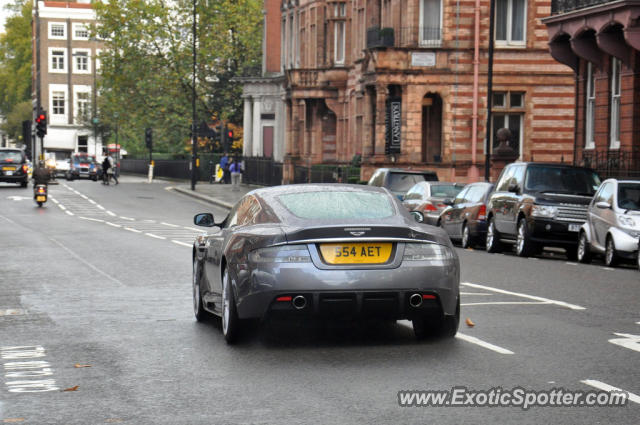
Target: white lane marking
149 221
475 293
101 207
531 297
111 214
508 303
133 230
637 323
609 269
84 196
55 201
629 341
85 262
23 368
571 264
93 202
484 344
97 220
69 213
12 312
194 229
169 224
62 207
127 218
182 243
112 224
155 236
610 388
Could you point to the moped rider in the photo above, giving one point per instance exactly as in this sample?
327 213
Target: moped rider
41 175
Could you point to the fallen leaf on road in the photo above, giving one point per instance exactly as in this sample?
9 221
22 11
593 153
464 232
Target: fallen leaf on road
72 388
469 323
82 365
12 420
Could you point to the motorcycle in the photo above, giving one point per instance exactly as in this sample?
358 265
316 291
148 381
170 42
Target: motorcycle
40 194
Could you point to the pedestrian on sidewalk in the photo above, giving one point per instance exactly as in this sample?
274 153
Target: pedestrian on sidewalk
227 172
111 171
106 165
236 171
224 165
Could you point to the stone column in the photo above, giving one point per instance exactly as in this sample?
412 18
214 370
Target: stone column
247 123
381 110
257 137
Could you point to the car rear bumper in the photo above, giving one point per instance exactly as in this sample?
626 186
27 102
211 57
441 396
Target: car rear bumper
350 293
21 178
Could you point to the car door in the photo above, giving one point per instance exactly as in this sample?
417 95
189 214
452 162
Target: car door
453 216
602 219
499 198
513 200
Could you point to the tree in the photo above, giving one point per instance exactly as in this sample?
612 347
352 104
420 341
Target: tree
23 111
15 58
146 71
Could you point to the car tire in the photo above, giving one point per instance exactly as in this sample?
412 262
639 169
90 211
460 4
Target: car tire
493 238
466 241
443 326
524 245
610 256
583 251
230 322
198 308
24 184
638 260
40 204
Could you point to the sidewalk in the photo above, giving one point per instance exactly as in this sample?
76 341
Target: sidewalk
218 194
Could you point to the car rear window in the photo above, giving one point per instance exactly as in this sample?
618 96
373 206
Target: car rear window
629 196
402 182
574 181
338 205
445 190
11 156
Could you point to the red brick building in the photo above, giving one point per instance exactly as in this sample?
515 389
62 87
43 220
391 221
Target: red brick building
404 83
600 41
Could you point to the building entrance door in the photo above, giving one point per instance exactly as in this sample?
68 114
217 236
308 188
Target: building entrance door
432 128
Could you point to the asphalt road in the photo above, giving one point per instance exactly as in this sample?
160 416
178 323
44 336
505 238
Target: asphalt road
95 296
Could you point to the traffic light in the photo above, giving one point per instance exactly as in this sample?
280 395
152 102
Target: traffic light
230 135
41 124
148 138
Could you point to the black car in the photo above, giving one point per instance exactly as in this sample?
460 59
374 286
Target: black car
14 167
465 219
539 204
399 181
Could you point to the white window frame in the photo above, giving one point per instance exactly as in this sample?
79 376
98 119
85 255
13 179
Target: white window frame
79 26
426 41
508 42
616 80
57 37
65 59
76 70
59 118
590 110
77 89
340 11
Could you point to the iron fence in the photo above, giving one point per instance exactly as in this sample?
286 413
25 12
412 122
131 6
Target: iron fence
619 163
262 171
563 6
326 174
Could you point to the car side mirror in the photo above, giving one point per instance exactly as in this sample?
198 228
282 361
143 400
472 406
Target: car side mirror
603 205
204 220
513 188
417 215
448 201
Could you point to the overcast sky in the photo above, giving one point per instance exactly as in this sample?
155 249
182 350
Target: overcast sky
3 13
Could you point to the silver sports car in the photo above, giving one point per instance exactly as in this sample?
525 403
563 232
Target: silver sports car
325 251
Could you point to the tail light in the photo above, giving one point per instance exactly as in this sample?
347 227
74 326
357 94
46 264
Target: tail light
41 190
25 168
429 207
482 212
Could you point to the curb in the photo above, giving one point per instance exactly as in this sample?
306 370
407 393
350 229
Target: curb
203 197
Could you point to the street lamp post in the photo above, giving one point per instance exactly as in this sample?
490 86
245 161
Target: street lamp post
487 155
194 132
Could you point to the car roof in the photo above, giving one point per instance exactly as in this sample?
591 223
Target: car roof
314 187
403 171
551 164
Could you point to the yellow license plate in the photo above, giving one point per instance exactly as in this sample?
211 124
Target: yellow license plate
8 168
41 198
356 253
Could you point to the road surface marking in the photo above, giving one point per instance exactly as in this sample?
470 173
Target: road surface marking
155 236
507 303
84 196
97 220
20 366
149 221
111 214
475 293
609 269
62 207
88 264
637 323
133 230
629 341
101 207
531 297
169 224
112 224
481 343
55 201
127 218
606 387
182 243
571 264
194 229
12 312
69 213
93 202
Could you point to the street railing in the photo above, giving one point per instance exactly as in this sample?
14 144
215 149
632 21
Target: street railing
618 163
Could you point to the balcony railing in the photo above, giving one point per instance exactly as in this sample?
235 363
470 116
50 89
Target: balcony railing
380 37
303 77
619 163
420 37
564 6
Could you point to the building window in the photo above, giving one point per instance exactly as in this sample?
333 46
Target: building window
80 32
430 22
615 103
57 102
81 61
83 110
291 41
511 22
83 143
283 50
57 31
590 108
340 13
57 60
508 113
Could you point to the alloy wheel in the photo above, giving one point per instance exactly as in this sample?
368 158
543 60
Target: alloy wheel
196 288
490 235
610 253
582 247
521 236
465 236
225 303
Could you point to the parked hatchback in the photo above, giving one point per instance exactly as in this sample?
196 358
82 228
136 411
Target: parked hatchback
399 181
465 220
14 167
535 205
429 198
613 223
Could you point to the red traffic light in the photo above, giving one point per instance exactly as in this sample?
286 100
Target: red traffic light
230 134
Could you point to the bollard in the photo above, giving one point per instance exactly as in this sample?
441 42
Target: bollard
150 176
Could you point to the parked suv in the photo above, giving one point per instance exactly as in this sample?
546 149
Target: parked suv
400 181
14 167
536 205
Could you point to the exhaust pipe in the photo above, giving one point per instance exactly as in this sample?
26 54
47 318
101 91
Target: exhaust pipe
299 302
415 300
